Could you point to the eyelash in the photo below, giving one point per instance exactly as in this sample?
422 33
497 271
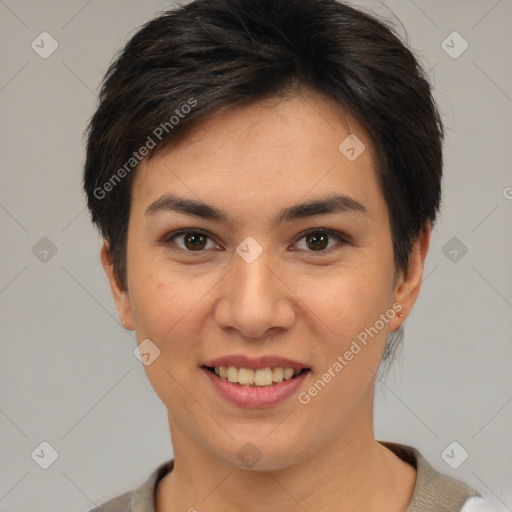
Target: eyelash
342 240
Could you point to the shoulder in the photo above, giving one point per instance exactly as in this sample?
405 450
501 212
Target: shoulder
436 491
141 499
433 490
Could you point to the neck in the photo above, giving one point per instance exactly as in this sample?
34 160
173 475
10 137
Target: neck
351 472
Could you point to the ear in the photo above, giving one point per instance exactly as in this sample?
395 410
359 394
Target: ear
407 287
119 294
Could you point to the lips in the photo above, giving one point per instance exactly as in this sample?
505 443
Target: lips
255 382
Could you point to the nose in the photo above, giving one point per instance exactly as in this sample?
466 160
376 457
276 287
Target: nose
256 300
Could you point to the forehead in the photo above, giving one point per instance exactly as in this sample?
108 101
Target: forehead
272 150
273 124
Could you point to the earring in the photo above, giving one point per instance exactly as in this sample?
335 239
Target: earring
122 321
400 315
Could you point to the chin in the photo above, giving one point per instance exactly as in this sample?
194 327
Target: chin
258 449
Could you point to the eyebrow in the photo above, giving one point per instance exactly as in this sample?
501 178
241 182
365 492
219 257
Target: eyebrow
335 203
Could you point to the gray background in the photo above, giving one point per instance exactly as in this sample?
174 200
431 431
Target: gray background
68 375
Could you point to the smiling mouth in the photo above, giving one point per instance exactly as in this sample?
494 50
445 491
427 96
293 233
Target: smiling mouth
262 377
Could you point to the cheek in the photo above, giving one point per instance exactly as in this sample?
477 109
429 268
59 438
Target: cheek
166 309
348 299
351 347
167 306
350 353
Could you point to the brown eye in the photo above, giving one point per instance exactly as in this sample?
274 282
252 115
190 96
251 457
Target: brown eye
318 240
195 241
190 240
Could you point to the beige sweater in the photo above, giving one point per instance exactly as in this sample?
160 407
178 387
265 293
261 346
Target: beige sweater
433 491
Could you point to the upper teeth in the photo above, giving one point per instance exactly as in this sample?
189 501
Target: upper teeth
250 377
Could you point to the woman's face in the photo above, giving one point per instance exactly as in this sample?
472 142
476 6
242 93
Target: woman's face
255 284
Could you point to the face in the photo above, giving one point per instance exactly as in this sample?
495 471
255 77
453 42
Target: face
289 265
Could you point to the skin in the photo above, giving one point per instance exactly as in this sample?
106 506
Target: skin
292 301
